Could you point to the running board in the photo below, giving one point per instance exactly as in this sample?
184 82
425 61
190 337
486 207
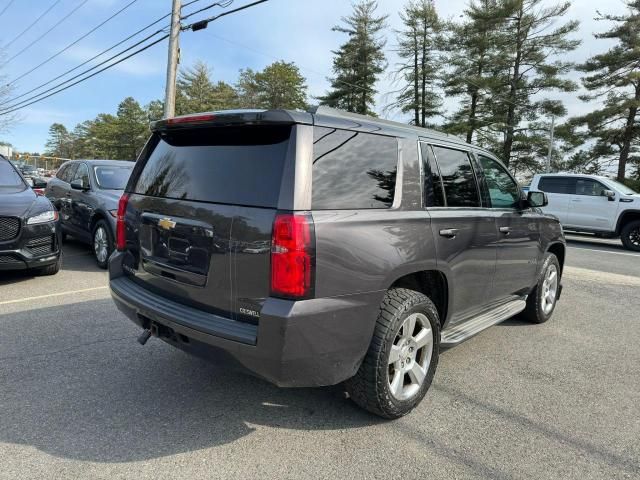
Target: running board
461 332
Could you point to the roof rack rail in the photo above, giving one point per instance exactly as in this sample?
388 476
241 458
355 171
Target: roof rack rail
334 112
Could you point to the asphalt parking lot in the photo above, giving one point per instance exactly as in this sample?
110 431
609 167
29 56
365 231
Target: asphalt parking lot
79 398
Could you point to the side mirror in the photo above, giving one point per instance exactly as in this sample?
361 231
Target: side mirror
610 194
537 199
79 185
39 183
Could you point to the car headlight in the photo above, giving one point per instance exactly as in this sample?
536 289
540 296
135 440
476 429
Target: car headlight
44 217
114 213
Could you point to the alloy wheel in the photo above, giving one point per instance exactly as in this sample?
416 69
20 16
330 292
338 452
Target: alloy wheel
549 289
634 237
410 356
101 244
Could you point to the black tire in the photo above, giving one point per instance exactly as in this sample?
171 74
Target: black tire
535 311
630 236
50 269
370 387
102 225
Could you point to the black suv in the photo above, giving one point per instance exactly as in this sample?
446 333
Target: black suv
86 193
29 226
316 248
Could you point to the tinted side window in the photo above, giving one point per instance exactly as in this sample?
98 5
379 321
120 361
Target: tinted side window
565 185
586 186
70 172
82 174
458 179
62 171
433 193
503 191
353 169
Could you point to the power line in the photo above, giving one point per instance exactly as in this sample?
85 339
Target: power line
137 44
48 31
224 4
204 23
52 91
82 37
6 7
90 76
33 23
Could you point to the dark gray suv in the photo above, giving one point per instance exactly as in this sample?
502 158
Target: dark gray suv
86 193
317 248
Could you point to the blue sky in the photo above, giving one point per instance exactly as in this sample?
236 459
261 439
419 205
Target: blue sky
292 30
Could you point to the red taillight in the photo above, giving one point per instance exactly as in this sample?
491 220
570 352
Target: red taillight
121 229
293 256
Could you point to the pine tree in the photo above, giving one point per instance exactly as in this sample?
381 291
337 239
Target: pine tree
418 45
279 85
530 44
197 93
131 129
615 77
359 61
473 49
59 141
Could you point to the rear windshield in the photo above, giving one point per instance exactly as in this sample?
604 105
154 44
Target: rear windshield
235 165
113 178
9 178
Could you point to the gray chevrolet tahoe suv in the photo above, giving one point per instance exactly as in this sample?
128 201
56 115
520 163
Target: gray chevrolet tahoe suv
317 248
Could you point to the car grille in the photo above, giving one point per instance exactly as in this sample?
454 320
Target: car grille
9 260
41 245
9 228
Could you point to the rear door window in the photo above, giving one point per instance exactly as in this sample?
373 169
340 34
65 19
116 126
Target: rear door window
353 170
456 177
234 165
562 185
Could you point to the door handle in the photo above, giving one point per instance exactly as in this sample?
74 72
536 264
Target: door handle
576 200
449 232
505 230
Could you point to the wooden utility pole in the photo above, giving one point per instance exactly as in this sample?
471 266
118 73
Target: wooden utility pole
172 61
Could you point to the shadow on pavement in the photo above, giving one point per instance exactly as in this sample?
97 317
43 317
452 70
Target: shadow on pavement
76 384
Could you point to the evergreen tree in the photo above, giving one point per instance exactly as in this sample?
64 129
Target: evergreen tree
614 76
530 44
359 61
131 128
59 142
197 93
279 85
474 55
418 45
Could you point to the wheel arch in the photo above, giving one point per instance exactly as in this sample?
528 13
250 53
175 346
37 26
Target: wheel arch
625 217
432 283
560 251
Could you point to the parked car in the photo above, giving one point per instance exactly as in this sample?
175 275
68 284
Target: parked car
29 227
593 204
86 193
29 171
387 242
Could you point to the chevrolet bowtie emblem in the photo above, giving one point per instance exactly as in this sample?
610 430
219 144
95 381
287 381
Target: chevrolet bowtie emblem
166 224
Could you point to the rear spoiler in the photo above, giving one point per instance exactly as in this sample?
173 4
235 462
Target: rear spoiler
234 117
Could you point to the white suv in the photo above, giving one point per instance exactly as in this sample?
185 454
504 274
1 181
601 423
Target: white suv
593 204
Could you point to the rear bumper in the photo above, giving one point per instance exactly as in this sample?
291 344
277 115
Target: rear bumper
296 344
30 249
